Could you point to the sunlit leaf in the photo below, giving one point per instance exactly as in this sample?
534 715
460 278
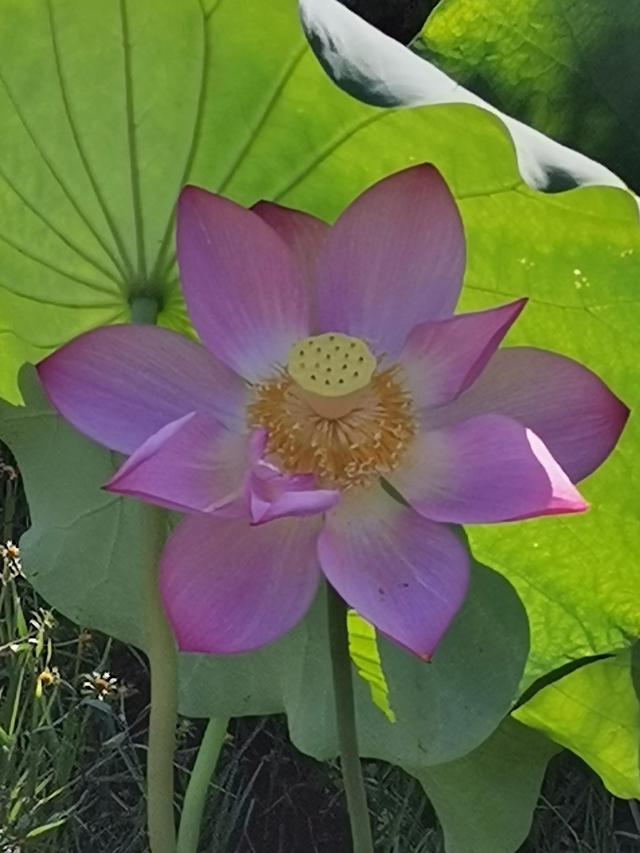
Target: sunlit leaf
363 648
595 712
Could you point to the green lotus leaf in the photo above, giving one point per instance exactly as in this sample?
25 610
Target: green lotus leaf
485 800
596 713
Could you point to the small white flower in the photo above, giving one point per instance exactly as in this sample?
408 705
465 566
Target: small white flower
100 686
10 554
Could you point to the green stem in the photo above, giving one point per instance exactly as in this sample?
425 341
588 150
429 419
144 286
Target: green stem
9 510
346 722
163 666
195 797
162 653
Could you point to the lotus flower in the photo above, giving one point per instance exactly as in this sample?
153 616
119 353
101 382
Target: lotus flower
337 419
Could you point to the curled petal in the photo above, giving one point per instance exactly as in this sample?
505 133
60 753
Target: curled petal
229 587
441 360
276 495
563 402
193 464
486 469
405 574
121 384
394 258
246 295
270 493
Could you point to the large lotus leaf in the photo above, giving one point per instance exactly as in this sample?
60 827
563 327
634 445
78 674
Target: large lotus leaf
568 68
485 800
114 106
596 713
108 112
377 70
88 552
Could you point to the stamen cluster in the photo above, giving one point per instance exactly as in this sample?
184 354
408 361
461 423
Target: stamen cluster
351 450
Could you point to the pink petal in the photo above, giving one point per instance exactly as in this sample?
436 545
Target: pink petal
193 464
269 493
440 360
406 575
228 587
121 384
394 258
246 296
564 403
272 494
486 469
304 234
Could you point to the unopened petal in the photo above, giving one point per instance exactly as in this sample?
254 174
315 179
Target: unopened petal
271 493
280 495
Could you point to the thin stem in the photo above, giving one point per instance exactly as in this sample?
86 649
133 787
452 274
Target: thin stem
162 653
346 722
9 509
195 797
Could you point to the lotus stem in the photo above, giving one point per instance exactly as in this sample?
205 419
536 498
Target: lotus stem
163 665
346 724
195 797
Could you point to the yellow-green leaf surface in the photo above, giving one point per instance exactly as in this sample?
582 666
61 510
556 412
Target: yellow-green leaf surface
596 713
363 648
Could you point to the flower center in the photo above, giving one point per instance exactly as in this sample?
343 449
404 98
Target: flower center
333 414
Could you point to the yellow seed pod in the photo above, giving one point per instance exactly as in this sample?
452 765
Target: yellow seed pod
331 365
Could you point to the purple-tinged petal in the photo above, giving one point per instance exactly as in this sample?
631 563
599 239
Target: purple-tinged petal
405 574
441 360
564 403
229 587
304 234
121 384
246 295
486 469
394 258
269 493
193 464
272 494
